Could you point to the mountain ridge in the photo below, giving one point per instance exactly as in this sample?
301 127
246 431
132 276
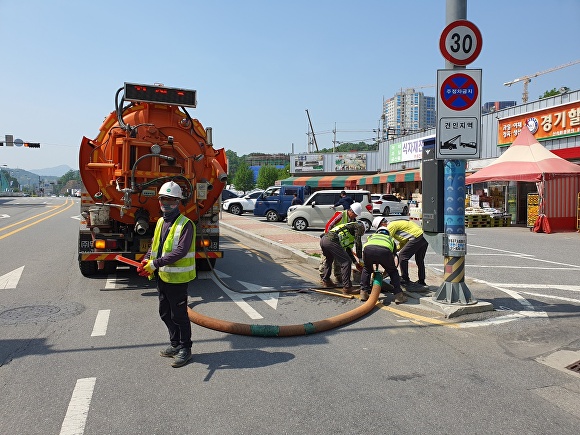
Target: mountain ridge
56 171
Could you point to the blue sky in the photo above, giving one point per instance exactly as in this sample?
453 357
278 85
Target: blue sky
257 65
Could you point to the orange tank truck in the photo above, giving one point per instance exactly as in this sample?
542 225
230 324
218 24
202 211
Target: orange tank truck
148 139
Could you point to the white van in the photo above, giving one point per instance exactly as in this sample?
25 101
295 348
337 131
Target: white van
319 208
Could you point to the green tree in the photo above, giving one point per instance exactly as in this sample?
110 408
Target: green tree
348 147
233 163
551 93
244 178
70 175
267 175
284 172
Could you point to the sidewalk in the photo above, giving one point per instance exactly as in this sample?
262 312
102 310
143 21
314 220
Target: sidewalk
300 244
303 244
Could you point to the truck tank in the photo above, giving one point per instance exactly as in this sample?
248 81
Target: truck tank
148 139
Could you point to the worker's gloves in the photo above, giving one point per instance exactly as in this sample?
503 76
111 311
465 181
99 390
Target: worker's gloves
147 268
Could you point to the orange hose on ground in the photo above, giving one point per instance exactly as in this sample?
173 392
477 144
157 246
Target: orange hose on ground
291 330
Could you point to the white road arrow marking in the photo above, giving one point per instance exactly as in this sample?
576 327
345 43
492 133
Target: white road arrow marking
238 300
10 280
270 298
4 216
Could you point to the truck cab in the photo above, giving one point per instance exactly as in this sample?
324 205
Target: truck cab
275 201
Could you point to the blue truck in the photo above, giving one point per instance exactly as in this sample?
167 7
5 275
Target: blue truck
275 201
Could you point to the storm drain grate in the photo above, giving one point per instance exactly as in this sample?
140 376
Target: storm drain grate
575 367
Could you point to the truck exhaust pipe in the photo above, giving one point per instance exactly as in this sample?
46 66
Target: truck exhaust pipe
141 222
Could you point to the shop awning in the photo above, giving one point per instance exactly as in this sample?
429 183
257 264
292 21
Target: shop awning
400 176
351 181
329 181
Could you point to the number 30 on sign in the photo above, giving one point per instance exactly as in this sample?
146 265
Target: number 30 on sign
460 42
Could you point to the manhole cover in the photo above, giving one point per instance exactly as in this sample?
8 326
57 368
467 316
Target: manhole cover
39 313
575 367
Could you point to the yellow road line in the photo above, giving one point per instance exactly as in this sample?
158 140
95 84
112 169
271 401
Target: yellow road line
417 316
54 213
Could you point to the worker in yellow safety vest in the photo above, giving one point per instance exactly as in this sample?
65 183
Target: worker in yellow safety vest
171 260
337 245
411 243
380 249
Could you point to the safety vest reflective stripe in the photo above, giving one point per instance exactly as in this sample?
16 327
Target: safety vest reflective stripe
183 270
345 237
379 239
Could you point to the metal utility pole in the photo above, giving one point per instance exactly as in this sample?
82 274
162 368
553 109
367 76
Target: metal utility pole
454 290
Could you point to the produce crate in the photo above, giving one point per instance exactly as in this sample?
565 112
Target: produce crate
505 221
477 220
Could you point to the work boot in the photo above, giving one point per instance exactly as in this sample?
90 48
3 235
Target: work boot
400 298
422 285
182 357
328 283
348 290
405 281
170 352
364 295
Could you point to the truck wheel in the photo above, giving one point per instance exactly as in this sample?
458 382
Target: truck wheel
272 216
300 224
405 211
236 209
205 264
88 268
387 211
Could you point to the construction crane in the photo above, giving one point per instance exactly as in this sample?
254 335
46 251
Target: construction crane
419 87
528 79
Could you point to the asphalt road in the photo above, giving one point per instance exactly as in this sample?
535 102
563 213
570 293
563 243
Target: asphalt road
80 355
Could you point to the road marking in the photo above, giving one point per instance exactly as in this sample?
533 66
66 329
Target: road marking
559 298
571 288
10 279
271 298
527 256
78 407
111 282
101 322
36 221
238 300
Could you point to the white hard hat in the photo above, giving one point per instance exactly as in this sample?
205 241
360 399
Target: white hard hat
377 222
171 189
356 208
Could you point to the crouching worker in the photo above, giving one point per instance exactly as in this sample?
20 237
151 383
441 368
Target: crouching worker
337 245
380 248
171 260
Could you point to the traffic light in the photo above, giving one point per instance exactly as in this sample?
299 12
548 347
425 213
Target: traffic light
32 144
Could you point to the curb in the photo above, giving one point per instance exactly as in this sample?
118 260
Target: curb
314 261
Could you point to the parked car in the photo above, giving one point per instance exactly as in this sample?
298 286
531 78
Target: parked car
319 208
241 204
275 201
387 204
228 194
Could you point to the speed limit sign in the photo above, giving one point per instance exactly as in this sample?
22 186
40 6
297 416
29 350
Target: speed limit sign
460 42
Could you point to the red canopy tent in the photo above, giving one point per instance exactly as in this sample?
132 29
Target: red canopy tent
557 179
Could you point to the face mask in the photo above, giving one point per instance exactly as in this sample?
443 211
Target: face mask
168 208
